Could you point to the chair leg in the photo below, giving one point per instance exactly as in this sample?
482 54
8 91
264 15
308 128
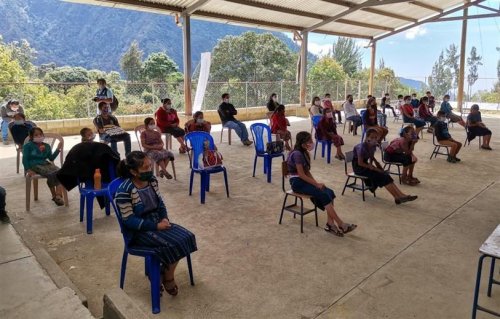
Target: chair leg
207 183
107 207
490 278
329 155
478 282
229 136
191 183
90 212
345 185
190 270
18 160
28 193
301 215
203 187
35 189
283 208
154 279
399 173
82 207
225 182
254 165
363 189
221 134
316 214
173 170
124 268
315 149
269 169
147 263
264 167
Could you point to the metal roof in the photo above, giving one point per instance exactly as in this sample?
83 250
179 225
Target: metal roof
368 19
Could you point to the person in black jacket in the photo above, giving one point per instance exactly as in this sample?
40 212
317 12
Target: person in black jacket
444 138
226 113
273 104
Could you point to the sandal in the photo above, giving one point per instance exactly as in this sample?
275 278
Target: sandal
415 179
162 173
333 229
347 228
408 181
172 291
58 200
182 150
405 199
167 175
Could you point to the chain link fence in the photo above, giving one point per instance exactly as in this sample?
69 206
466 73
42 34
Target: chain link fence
50 101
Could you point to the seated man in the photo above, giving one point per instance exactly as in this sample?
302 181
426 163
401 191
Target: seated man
409 115
109 129
448 111
425 114
386 104
227 112
197 123
20 128
444 138
327 103
432 100
352 114
414 101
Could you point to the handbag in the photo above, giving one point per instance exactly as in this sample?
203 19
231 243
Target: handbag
275 147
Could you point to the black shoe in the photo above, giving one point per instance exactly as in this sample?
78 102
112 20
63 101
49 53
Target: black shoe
4 218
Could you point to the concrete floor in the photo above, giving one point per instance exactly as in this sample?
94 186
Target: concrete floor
416 260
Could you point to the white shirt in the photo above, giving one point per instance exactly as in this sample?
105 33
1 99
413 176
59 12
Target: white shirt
349 109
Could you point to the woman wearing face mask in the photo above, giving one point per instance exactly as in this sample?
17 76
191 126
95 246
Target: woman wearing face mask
37 159
272 103
302 182
153 147
400 150
370 119
409 115
327 130
448 111
279 126
145 218
198 123
168 122
316 108
365 164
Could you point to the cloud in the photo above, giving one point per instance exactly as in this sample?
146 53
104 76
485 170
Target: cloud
318 49
415 32
362 43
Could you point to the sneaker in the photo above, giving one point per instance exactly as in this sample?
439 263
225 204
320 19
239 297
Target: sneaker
58 200
247 143
4 218
451 159
457 159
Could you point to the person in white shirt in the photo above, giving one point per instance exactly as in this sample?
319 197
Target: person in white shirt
351 113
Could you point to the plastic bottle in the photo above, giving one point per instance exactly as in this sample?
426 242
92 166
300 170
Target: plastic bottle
97 179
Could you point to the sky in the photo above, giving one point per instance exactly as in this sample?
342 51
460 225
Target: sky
411 54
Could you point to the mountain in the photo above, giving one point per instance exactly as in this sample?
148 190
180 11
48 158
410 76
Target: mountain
96 37
414 84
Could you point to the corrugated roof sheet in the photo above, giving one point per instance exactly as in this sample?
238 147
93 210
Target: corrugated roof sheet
295 15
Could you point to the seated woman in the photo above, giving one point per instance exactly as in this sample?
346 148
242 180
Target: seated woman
371 122
448 111
365 164
444 138
272 103
279 126
409 115
302 182
197 123
327 130
168 122
37 159
315 108
425 114
87 135
476 127
381 117
145 218
400 151
153 147
109 129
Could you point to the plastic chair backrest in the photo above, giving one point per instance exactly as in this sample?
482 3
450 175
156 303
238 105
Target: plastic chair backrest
51 139
349 156
197 142
138 131
362 114
258 130
19 133
384 145
112 188
315 120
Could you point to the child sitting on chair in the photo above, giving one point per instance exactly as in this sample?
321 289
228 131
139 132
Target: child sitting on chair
444 138
279 126
476 127
365 164
400 150
327 130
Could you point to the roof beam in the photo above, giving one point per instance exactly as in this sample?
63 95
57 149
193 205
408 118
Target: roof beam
431 19
426 6
372 10
477 16
364 25
195 6
486 8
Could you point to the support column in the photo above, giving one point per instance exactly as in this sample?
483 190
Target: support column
461 70
303 69
372 68
186 41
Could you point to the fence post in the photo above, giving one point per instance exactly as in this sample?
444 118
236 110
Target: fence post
345 89
246 94
281 92
359 90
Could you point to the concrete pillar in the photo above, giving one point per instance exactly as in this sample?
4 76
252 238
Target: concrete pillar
372 68
303 69
186 41
461 70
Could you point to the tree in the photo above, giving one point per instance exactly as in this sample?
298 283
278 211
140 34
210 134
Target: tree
326 69
381 64
131 62
67 74
473 61
440 81
24 54
498 66
347 53
252 57
10 71
451 61
158 66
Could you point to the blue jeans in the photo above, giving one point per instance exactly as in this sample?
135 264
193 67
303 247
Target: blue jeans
239 128
5 130
113 140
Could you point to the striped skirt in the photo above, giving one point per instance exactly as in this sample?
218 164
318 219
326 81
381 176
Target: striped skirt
170 245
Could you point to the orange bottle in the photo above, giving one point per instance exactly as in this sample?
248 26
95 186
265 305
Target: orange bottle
97 179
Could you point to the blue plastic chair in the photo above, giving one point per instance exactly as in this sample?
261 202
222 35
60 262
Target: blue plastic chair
258 130
325 144
197 142
152 263
363 126
88 193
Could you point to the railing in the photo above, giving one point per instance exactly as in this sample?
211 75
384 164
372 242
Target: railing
48 101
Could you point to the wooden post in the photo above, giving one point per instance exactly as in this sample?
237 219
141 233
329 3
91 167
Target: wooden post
303 69
372 69
461 70
186 37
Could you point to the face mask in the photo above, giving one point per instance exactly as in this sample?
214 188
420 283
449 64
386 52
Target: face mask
327 99
226 100
39 139
168 106
414 136
400 100
442 119
446 100
329 115
18 122
200 121
317 103
350 100
275 98
152 126
14 108
146 176
407 101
